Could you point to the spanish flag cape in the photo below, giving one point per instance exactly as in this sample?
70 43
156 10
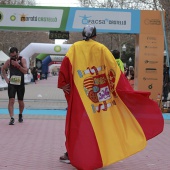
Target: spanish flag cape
106 120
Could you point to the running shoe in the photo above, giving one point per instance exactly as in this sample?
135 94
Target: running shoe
20 119
65 158
12 120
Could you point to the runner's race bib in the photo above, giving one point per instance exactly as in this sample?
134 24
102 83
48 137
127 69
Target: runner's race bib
16 80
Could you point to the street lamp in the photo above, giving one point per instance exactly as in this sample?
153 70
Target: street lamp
124 48
130 61
123 53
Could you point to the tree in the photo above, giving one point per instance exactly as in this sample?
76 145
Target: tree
17 2
117 39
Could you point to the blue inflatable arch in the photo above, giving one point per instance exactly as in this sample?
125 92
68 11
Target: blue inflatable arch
46 61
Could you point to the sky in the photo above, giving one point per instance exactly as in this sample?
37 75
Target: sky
62 3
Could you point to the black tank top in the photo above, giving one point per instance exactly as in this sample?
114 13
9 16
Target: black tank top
15 71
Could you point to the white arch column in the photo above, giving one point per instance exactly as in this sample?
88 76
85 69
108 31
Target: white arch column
33 48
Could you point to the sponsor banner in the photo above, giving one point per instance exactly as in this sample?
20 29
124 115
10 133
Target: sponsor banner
69 19
149 57
33 18
105 20
57 58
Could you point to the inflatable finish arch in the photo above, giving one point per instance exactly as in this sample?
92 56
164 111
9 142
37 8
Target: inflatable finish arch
41 56
49 59
32 48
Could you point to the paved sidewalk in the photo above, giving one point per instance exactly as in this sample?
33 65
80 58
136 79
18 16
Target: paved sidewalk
37 143
43 95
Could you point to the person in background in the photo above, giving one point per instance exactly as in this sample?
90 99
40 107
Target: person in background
116 55
46 75
131 78
126 72
1 67
16 85
34 74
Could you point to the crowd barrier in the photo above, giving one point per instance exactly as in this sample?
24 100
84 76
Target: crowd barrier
27 78
3 84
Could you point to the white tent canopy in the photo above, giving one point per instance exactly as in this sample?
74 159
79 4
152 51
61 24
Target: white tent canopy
3 57
33 48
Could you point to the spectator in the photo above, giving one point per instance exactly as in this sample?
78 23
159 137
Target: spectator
116 55
34 73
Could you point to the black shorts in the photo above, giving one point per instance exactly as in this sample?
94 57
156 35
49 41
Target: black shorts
13 89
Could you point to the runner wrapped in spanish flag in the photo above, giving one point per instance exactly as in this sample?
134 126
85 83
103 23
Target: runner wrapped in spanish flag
106 120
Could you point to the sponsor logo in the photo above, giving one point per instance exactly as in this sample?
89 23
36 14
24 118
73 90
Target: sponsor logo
147 78
57 48
58 58
150 54
151 38
24 18
152 22
150 62
1 16
89 20
151 70
151 47
150 86
12 17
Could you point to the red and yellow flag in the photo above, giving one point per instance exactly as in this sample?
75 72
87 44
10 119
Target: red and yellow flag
106 120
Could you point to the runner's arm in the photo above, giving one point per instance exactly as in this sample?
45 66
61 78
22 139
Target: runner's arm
22 68
3 71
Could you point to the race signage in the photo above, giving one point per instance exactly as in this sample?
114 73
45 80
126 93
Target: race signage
59 35
72 19
33 18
